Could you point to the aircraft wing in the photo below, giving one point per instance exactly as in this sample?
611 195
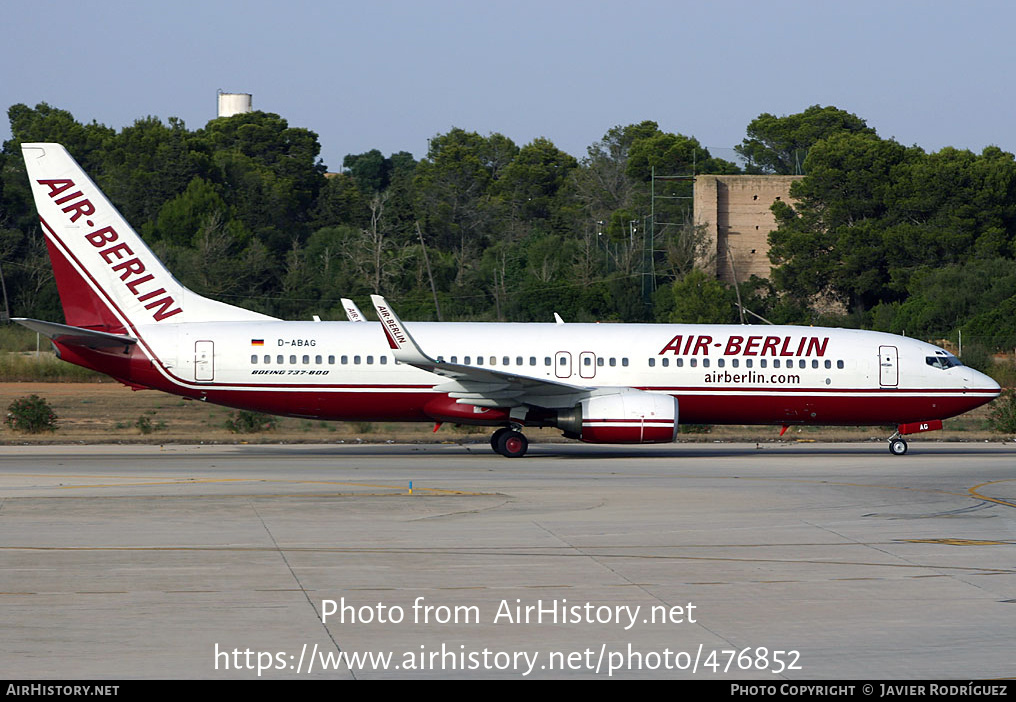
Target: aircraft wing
76 336
483 387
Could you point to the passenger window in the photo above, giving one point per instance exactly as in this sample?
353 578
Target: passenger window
828 363
546 360
292 359
345 360
814 364
734 362
532 360
370 360
693 362
384 360
624 362
306 360
280 359
613 362
518 361
356 360
666 362
599 361
839 364
268 359
331 360
705 362
254 359
317 360
466 360
720 363
679 362
652 362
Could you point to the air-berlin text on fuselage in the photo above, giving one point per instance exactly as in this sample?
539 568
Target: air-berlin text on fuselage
699 345
116 255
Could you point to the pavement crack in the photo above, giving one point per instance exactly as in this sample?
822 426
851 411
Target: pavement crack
296 579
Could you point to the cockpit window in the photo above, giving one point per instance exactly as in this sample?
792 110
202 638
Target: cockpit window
942 362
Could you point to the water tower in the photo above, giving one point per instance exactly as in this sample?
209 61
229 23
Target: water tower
234 103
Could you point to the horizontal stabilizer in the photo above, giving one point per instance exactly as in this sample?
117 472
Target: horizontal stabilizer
76 336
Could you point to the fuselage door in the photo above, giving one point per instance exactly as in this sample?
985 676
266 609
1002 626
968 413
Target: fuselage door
888 366
204 361
587 364
562 364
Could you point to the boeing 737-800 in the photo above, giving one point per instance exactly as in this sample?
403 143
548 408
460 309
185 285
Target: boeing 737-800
127 316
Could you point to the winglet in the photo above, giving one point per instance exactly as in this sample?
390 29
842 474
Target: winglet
353 312
403 346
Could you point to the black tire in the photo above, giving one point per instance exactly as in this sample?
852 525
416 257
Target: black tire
495 438
512 444
898 447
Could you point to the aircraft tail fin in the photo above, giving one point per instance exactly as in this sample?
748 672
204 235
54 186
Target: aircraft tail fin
107 277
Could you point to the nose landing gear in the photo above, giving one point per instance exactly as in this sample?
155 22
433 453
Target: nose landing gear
897 445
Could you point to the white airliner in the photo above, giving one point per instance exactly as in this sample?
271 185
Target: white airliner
601 383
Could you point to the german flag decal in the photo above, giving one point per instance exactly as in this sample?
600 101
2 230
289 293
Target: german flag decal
257 342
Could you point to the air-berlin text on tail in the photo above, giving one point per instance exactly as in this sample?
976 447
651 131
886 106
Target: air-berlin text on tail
118 256
699 345
395 336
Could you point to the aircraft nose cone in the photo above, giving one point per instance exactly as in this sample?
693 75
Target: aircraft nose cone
987 382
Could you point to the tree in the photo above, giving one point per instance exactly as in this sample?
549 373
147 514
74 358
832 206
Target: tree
529 186
781 144
148 164
452 189
270 174
697 298
831 241
86 142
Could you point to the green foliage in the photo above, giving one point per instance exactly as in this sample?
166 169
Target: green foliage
14 337
1003 413
994 328
977 356
241 210
781 144
27 367
248 422
146 426
866 218
696 299
941 298
30 415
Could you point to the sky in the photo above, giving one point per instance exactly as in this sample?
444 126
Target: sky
391 74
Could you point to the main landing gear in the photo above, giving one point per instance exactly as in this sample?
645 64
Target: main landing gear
897 446
510 442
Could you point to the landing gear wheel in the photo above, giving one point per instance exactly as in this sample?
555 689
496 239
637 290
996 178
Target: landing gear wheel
897 447
495 438
512 444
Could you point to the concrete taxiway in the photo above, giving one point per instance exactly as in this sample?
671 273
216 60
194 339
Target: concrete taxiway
682 561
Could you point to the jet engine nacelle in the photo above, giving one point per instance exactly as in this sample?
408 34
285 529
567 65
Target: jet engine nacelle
624 417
